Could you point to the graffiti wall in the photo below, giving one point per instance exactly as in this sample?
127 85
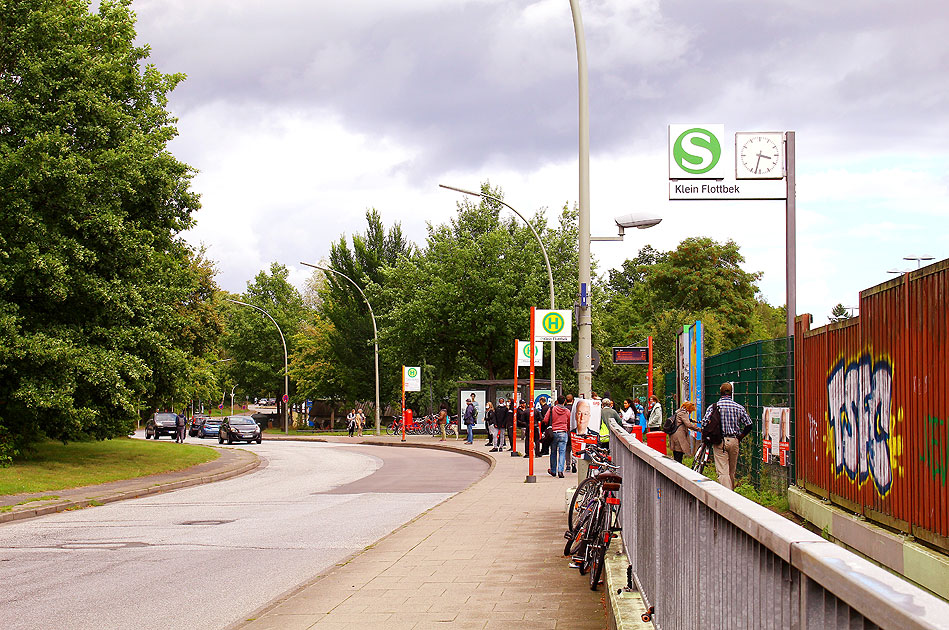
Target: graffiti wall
872 395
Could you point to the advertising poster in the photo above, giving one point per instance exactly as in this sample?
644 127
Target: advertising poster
480 400
585 415
775 431
696 368
682 366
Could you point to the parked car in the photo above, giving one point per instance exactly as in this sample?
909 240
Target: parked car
161 424
211 427
196 423
238 428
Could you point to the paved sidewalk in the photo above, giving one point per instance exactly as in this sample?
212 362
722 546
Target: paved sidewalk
489 557
232 462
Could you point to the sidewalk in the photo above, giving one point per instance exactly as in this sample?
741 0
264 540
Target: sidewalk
489 557
231 463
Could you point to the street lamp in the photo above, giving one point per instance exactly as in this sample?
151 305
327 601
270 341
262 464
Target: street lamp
919 259
375 334
232 399
286 372
550 275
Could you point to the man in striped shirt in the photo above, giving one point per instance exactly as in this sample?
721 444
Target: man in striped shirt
736 424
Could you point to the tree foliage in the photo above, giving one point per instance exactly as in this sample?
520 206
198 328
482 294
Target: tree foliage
93 279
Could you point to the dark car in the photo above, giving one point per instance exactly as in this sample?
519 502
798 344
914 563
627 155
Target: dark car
196 423
239 428
161 424
209 427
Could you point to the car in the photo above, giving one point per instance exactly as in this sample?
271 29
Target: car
196 423
239 428
211 427
161 424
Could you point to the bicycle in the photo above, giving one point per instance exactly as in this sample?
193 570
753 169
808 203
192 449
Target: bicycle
585 489
702 458
588 541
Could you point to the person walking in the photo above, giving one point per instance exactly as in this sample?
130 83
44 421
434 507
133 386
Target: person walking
179 428
543 422
736 424
568 403
654 423
560 423
443 419
680 437
500 423
607 412
470 420
360 421
351 422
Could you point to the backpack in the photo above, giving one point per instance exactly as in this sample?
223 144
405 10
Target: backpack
712 430
670 425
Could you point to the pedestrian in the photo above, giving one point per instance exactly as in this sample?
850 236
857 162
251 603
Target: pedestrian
680 437
654 423
511 421
500 424
442 419
489 423
542 423
568 403
640 414
523 421
360 422
351 422
736 424
607 412
470 419
560 423
628 414
179 428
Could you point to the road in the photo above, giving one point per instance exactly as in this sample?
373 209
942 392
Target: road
208 556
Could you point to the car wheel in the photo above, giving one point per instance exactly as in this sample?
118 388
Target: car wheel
259 440
220 440
155 435
230 440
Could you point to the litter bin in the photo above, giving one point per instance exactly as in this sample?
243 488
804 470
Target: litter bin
656 440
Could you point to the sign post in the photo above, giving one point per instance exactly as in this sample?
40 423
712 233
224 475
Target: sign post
403 403
517 358
530 419
411 382
649 373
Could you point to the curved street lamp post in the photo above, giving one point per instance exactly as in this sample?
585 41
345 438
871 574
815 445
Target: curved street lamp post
286 373
375 334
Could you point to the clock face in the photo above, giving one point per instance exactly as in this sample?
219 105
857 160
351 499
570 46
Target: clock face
759 156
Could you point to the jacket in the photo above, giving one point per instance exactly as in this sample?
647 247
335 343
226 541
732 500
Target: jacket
559 418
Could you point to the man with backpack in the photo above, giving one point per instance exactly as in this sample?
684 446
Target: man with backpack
735 424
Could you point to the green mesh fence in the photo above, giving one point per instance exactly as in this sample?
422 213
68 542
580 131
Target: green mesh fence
762 373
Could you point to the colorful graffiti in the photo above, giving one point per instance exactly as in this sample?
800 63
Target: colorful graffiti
936 448
862 421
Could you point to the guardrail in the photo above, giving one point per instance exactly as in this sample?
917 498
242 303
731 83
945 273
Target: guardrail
705 558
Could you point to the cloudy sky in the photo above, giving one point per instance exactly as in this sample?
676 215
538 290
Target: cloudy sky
301 114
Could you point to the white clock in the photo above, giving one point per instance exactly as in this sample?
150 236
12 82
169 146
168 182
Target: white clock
759 155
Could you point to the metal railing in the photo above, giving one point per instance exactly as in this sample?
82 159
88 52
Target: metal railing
707 558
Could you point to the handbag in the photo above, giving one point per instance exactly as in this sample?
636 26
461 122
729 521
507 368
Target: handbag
548 437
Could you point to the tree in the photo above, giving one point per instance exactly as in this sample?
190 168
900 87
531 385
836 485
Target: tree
840 313
90 291
349 332
460 302
251 339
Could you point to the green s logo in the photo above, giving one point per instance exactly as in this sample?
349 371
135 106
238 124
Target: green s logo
696 151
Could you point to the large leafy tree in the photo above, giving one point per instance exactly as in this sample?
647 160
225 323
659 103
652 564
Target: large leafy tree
459 304
91 279
348 330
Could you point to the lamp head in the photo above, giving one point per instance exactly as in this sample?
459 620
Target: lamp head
637 220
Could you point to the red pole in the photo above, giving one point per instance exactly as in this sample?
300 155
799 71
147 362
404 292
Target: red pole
403 403
649 374
530 401
516 401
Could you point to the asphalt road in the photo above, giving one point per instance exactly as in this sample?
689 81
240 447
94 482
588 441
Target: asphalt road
208 556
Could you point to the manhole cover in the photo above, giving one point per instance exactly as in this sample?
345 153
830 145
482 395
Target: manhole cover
208 522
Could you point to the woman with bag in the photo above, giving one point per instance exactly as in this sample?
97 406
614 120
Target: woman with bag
680 437
655 414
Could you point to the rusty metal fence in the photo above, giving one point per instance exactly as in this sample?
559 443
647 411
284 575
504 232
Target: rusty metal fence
707 558
872 405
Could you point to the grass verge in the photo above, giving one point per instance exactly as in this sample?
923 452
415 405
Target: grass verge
55 466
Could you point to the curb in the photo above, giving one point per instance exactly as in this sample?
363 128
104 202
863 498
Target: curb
625 608
134 493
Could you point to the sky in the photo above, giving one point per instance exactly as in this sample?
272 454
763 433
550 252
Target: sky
299 115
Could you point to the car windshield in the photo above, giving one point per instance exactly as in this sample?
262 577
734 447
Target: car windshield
241 420
212 421
159 417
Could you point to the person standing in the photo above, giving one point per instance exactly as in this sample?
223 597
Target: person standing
736 424
500 424
560 423
628 414
640 415
523 421
179 428
351 422
360 422
543 422
680 437
654 423
470 421
607 412
442 419
489 423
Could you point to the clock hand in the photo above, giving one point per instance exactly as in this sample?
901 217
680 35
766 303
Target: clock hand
757 163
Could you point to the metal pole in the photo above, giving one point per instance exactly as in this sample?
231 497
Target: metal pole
550 274
584 321
375 336
286 373
791 234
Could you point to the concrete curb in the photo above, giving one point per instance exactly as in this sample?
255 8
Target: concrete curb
625 608
135 493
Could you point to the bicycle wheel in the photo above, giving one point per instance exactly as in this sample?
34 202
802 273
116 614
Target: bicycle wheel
581 498
391 429
594 541
598 555
698 460
577 536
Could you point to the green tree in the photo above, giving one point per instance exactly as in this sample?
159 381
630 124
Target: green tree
840 313
251 339
90 288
